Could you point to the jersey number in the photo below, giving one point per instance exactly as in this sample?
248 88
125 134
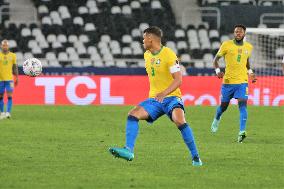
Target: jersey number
153 71
239 58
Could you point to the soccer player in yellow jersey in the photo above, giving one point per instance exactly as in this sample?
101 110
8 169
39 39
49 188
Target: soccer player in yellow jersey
236 53
8 67
165 78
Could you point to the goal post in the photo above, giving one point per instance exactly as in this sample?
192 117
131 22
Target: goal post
268 49
266 61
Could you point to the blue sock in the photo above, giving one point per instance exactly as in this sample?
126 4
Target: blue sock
131 131
1 104
243 115
188 138
9 104
219 113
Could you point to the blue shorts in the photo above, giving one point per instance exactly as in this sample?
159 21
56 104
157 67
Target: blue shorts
156 109
6 85
238 91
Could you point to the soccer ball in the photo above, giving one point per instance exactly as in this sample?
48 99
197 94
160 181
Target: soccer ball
32 67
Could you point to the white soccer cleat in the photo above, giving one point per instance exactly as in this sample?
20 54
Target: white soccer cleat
2 115
8 115
214 126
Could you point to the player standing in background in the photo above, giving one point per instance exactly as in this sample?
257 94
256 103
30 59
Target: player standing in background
165 78
8 68
235 80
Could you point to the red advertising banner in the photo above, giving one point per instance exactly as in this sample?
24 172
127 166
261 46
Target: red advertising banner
130 90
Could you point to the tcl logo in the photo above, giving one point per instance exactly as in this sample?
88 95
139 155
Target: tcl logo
50 85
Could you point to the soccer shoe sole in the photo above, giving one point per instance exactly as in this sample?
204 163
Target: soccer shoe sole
197 164
241 138
117 155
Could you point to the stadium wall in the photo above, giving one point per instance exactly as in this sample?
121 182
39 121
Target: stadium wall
130 90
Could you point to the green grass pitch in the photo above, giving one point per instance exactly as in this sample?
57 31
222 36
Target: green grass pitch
67 147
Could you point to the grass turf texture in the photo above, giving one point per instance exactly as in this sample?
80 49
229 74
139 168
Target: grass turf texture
67 147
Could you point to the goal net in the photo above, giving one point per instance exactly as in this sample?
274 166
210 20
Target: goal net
266 61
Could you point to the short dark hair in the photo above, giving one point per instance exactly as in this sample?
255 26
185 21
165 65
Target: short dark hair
240 26
154 30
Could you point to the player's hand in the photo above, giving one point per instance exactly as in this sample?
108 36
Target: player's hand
16 81
253 77
220 75
160 97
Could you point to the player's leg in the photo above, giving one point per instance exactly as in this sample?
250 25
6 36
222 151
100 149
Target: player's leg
149 110
227 93
2 90
132 127
242 96
9 104
179 119
9 88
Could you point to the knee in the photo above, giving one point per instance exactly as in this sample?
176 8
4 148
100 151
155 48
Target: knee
242 104
224 107
179 122
133 114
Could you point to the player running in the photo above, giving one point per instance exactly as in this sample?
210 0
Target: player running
165 78
8 68
235 80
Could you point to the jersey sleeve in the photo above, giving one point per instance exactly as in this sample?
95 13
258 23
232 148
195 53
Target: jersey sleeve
173 63
15 59
251 49
222 50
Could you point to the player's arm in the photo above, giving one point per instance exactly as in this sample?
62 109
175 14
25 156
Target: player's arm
221 52
177 76
219 73
15 72
250 72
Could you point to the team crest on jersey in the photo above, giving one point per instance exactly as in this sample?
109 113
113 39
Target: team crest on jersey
158 61
240 51
152 60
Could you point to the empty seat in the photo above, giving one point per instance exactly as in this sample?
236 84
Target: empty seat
90 27
42 9
51 38
126 39
156 4
185 58
72 38
115 10
26 32
91 3
126 10
143 26
62 38
121 64
50 56
105 38
76 63
87 63
78 21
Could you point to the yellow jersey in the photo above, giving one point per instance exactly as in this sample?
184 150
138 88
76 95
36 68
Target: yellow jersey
6 66
159 68
236 57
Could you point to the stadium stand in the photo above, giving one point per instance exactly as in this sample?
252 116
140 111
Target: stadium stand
102 33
